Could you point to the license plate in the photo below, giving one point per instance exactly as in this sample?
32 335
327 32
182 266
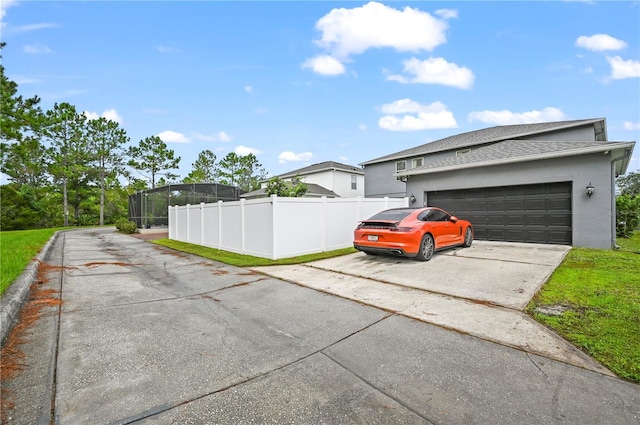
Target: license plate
373 238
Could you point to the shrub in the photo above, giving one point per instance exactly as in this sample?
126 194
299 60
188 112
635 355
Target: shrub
126 226
627 215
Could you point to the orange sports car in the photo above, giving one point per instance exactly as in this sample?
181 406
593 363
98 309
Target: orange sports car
411 232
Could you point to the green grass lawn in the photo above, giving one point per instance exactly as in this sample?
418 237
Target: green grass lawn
17 249
240 260
599 291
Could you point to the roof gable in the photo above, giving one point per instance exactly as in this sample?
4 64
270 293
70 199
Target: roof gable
323 166
489 135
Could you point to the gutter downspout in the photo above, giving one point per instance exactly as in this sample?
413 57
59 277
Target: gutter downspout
627 154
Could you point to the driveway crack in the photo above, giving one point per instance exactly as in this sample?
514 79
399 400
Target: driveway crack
370 384
168 407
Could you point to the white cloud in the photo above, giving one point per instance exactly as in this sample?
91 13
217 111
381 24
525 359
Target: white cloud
91 115
423 117
34 27
353 31
447 13
248 89
621 68
20 80
505 117
224 137
362 127
112 114
408 106
37 48
244 151
435 71
4 5
109 114
628 125
324 65
172 137
288 156
600 42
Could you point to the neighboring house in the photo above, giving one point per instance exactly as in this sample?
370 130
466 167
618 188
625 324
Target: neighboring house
540 183
330 179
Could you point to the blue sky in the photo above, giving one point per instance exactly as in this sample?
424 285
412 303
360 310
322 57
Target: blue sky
298 83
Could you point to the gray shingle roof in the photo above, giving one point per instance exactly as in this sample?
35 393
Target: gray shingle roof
482 136
322 166
515 151
313 190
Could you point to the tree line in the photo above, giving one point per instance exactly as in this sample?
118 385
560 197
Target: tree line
66 169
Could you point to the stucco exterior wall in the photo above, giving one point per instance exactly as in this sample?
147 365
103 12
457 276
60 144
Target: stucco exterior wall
337 181
380 181
592 217
342 184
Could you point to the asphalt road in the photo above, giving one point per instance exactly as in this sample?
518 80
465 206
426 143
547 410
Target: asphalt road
148 335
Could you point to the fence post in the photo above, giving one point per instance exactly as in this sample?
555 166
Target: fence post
324 224
242 226
202 223
274 218
188 224
219 224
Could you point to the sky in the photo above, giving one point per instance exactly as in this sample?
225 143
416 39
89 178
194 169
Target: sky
298 83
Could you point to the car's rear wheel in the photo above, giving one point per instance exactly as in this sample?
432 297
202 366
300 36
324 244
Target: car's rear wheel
426 248
468 237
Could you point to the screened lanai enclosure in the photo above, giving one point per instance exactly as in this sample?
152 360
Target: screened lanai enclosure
149 208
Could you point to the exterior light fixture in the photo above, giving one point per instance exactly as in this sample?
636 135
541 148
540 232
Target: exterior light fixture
590 190
412 199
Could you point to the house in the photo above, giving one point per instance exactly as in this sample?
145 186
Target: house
329 178
549 182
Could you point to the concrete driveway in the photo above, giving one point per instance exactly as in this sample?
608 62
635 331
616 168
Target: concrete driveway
147 335
479 291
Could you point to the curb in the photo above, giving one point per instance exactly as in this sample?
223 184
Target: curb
14 297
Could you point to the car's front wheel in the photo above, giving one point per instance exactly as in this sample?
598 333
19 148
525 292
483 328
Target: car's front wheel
426 248
468 237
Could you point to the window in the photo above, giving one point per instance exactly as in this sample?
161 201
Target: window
354 182
417 162
401 165
433 215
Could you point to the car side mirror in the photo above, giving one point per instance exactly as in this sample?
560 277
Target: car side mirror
453 219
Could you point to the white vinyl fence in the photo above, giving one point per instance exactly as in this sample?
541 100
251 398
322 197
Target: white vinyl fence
275 227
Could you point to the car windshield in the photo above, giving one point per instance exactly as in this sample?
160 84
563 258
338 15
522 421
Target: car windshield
392 215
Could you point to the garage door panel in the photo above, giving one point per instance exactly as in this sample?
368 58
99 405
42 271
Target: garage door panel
539 213
495 192
559 204
559 237
495 206
516 191
516 220
536 205
560 220
536 219
559 189
514 205
494 220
